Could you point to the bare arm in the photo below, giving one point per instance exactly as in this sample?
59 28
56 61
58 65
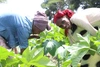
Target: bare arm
34 36
22 50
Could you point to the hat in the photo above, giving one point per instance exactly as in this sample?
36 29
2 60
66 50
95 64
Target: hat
60 14
41 21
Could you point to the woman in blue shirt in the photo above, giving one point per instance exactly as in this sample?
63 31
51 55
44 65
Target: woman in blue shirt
15 30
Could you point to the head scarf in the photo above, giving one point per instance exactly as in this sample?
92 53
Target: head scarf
41 21
60 14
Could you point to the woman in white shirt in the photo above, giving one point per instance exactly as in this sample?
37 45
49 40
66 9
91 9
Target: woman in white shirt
86 21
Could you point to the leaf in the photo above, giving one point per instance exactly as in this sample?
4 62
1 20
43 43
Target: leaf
97 43
46 62
61 52
84 40
22 59
32 54
66 63
98 34
4 53
12 61
27 54
98 50
43 62
78 56
76 53
39 53
50 46
78 50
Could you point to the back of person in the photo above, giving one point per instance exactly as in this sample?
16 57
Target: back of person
92 14
13 27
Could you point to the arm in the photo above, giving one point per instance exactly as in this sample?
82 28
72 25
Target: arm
22 50
70 38
34 36
82 21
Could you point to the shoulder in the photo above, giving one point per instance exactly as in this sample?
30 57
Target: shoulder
77 16
84 13
92 9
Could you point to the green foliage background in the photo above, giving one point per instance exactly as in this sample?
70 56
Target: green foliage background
52 6
2 1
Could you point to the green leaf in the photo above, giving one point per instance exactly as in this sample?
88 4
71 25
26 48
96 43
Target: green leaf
66 63
12 61
4 53
78 56
46 62
32 53
50 46
84 40
39 53
42 62
78 50
23 60
27 53
61 52
98 50
97 43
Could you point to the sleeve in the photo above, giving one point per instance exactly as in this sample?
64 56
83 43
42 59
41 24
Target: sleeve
82 21
23 35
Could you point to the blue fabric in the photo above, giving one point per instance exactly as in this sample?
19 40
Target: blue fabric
15 29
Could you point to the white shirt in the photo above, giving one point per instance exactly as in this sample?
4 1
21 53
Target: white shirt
86 19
